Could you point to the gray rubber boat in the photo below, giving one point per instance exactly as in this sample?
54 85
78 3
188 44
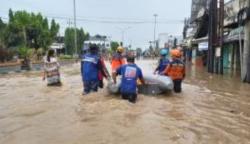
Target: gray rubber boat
155 85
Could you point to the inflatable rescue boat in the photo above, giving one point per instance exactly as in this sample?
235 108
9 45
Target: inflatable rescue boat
155 85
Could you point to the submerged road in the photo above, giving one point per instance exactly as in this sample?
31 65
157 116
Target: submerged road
211 110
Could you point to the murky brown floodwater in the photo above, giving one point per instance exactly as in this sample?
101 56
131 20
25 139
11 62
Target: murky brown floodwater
211 110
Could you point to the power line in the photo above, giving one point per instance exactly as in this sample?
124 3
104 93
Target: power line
111 20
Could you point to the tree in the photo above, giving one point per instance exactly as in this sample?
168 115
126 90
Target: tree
87 36
11 16
2 32
54 28
80 39
69 39
114 46
27 30
30 30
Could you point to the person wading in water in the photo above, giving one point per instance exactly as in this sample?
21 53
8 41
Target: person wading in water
51 69
130 74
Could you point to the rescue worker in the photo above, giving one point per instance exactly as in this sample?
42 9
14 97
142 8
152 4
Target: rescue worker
90 67
163 62
176 70
130 74
117 59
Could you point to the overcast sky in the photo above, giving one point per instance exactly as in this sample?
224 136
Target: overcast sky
171 13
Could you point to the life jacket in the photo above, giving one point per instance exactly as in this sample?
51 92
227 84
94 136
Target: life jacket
117 61
176 70
163 63
90 67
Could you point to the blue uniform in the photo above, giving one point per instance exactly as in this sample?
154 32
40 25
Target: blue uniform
90 67
163 63
130 73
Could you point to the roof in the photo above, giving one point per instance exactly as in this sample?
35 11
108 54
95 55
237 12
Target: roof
57 46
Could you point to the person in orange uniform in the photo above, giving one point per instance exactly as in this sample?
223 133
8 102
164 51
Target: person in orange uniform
117 59
176 70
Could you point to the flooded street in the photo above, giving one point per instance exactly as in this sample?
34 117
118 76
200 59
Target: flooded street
211 110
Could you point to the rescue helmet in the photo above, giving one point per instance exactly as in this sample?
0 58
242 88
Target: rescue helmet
175 53
163 52
120 49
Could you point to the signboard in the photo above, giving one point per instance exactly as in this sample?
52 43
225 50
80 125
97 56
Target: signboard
198 6
231 11
218 52
203 46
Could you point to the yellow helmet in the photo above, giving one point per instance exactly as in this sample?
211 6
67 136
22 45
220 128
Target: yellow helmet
120 49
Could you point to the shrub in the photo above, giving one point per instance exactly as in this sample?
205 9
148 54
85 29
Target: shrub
65 57
25 52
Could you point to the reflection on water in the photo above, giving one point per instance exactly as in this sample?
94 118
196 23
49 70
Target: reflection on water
211 109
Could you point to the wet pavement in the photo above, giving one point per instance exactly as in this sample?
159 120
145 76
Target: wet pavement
211 110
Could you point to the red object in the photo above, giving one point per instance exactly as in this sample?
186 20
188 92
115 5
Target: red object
176 70
117 61
102 72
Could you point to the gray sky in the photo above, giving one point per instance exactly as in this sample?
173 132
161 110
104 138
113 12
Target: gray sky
171 14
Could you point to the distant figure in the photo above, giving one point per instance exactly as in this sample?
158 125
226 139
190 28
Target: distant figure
130 74
90 67
51 69
176 70
117 59
163 62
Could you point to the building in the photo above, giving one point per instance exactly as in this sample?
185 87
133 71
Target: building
59 48
235 19
235 35
103 42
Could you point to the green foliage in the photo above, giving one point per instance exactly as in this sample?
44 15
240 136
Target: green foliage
29 30
25 52
40 51
54 28
114 45
65 57
69 40
2 31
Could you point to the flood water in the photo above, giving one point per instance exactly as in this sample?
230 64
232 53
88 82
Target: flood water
211 110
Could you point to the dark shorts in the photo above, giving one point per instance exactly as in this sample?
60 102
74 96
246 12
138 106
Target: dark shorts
131 97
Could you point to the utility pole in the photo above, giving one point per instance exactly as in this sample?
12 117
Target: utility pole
246 52
155 15
221 34
75 27
212 35
69 23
